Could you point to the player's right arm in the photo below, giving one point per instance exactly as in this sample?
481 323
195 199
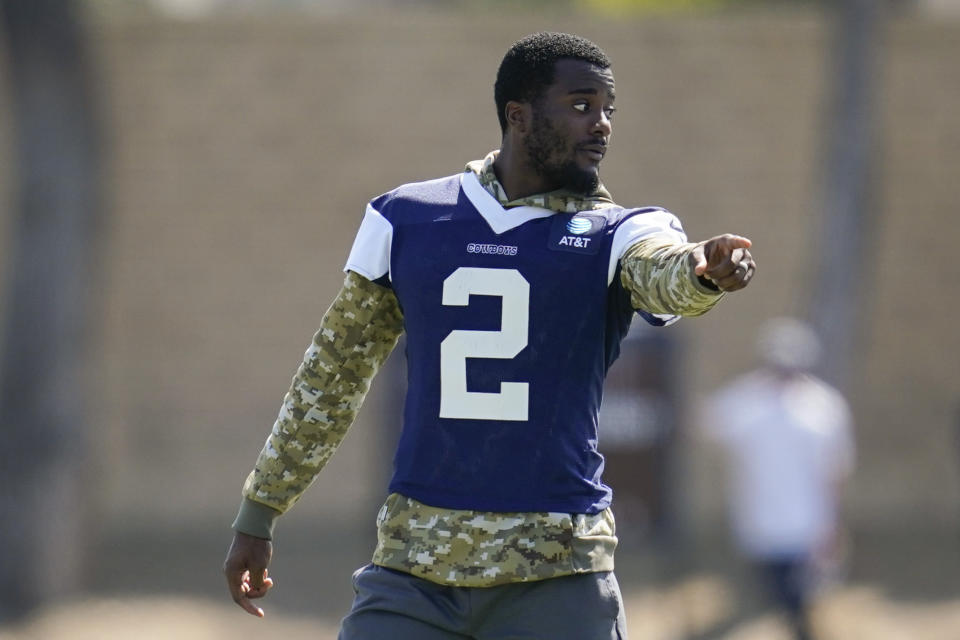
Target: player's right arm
356 335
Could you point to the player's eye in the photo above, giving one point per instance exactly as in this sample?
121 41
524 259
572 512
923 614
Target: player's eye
610 111
582 107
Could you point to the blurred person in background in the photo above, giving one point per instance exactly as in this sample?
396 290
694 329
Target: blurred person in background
787 439
514 282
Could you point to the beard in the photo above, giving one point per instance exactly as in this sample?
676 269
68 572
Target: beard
553 158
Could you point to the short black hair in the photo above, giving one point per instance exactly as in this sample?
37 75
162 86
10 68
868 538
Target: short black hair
527 68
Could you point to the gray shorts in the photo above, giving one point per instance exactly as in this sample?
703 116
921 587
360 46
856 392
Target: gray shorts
397 606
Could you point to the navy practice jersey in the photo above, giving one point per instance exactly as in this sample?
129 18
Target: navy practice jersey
512 319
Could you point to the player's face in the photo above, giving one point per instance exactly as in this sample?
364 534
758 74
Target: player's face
571 126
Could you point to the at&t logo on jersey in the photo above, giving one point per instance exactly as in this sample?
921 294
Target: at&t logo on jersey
579 226
577 234
573 241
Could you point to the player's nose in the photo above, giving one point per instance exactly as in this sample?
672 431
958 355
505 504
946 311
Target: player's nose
602 126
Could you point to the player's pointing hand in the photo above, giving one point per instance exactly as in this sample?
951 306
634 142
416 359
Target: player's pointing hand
726 261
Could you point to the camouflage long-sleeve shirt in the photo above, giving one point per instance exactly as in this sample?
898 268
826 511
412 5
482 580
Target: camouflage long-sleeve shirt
447 546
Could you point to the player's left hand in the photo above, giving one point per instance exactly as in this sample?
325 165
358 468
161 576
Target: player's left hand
726 261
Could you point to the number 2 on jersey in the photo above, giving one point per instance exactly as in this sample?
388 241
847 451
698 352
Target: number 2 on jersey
512 401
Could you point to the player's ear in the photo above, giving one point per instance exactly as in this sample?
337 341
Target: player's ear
519 115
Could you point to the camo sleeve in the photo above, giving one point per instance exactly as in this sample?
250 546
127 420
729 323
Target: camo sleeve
356 335
658 275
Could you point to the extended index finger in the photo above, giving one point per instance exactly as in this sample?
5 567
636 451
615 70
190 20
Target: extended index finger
737 242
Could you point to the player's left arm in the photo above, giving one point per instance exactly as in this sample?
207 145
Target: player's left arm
664 275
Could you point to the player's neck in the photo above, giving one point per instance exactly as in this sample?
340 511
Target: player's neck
516 175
